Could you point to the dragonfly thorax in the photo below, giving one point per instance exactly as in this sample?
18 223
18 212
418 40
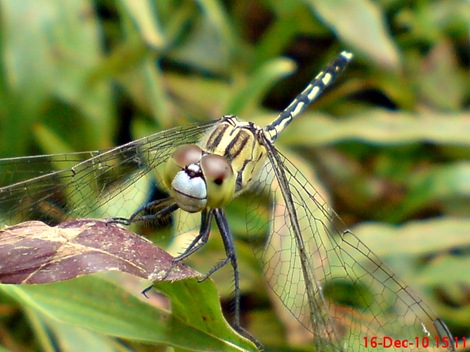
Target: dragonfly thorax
199 180
238 142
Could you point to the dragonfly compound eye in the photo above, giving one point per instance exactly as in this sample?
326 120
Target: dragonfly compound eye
186 155
182 157
220 180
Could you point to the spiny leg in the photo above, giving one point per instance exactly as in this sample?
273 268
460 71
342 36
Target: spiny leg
168 206
199 241
231 256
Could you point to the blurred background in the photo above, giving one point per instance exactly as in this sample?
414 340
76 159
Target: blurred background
389 142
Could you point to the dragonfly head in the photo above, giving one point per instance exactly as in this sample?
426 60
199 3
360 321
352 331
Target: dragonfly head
199 180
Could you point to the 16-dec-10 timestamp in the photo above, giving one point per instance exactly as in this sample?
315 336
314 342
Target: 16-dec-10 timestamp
417 342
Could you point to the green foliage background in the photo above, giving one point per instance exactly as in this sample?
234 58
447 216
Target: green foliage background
390 141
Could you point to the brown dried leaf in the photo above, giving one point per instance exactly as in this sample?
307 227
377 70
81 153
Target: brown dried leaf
35 253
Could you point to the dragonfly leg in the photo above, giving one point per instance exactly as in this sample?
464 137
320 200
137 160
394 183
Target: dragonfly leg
167 207
146 290
199 241
231 256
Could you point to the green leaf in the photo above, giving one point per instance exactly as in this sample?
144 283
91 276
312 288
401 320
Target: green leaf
52 333
50 49
97 305
142 13
360 24
417 238
446 183
379 127
422 254
248 96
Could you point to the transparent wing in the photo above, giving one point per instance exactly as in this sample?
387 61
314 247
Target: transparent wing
113 183
327 278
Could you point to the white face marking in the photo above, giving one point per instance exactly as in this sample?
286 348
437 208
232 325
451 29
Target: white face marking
190 193
193 169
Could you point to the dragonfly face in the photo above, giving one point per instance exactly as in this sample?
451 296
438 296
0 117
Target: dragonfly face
197 179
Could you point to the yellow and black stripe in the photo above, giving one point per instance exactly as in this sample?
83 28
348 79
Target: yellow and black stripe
237 141
308 95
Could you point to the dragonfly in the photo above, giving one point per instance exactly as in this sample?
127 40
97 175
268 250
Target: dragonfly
325 276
